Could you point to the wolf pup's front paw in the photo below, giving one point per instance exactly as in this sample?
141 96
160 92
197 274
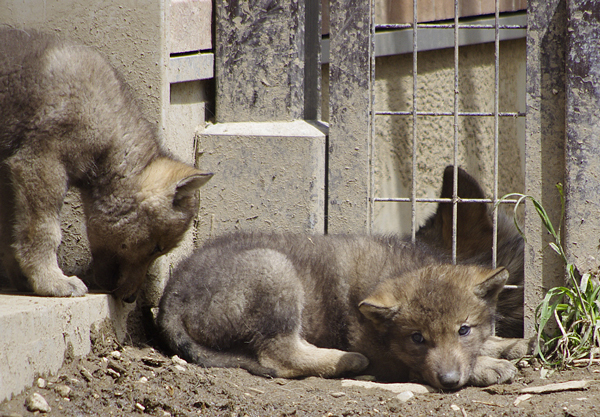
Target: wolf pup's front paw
490 371
353 362
61 286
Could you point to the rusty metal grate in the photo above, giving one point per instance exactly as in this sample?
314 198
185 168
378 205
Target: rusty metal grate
415 113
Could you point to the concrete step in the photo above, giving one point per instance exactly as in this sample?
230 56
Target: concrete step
37 332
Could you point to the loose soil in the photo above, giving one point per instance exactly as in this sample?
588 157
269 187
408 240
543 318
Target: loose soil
136 379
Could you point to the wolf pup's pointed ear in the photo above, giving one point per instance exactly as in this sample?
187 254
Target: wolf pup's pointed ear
166 181
491 285
188 185
377 310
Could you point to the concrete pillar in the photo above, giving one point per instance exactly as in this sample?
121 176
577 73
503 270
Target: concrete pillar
269 164
259 60
350 98
582 146
544 152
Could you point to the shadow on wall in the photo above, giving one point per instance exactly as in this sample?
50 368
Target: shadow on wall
435 134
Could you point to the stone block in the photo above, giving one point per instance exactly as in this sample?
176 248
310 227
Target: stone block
268 176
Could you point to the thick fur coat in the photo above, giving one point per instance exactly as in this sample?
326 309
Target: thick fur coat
291 305
67 119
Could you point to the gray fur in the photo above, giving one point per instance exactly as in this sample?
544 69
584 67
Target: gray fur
67 119
295 305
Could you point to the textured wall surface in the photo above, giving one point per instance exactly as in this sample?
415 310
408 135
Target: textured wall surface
544 154
268 176
393 134
259 60
582 179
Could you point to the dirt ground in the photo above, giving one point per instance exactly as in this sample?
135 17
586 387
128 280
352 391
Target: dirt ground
135 379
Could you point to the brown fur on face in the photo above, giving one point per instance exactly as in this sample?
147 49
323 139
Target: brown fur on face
474 244
163 205
68 119
437 320
293 305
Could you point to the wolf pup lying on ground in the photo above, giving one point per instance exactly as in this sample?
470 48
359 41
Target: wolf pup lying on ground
296 305
67 118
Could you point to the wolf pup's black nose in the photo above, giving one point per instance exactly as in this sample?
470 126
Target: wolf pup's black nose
449 380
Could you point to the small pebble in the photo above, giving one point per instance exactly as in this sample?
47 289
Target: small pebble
139 407
337 394
152 361
405 396
63 390
41 383
180 368
113 373
521 398
35 402
115 354
177 360
143 380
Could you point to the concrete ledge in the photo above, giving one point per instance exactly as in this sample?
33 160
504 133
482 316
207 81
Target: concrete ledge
192 67
37 332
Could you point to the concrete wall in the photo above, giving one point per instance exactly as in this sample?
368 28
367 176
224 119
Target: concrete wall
393 134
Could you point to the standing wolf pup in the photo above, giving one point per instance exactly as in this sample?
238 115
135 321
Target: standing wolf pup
290 305
67 118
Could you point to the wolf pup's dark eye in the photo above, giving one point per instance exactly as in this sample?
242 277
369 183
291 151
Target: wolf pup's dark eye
417 337
464 330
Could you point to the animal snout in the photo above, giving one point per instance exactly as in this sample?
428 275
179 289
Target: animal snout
449 379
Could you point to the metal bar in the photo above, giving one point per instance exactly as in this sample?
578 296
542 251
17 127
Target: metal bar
496 122
442 200
398 40
462 114
398 26
191 67
413 191
456 96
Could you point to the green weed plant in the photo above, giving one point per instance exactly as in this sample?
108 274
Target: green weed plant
568 318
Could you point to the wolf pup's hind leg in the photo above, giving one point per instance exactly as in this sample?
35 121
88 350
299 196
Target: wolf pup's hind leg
245 311
292 357
39 188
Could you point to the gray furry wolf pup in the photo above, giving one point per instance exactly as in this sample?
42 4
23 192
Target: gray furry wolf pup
289 305
68 119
